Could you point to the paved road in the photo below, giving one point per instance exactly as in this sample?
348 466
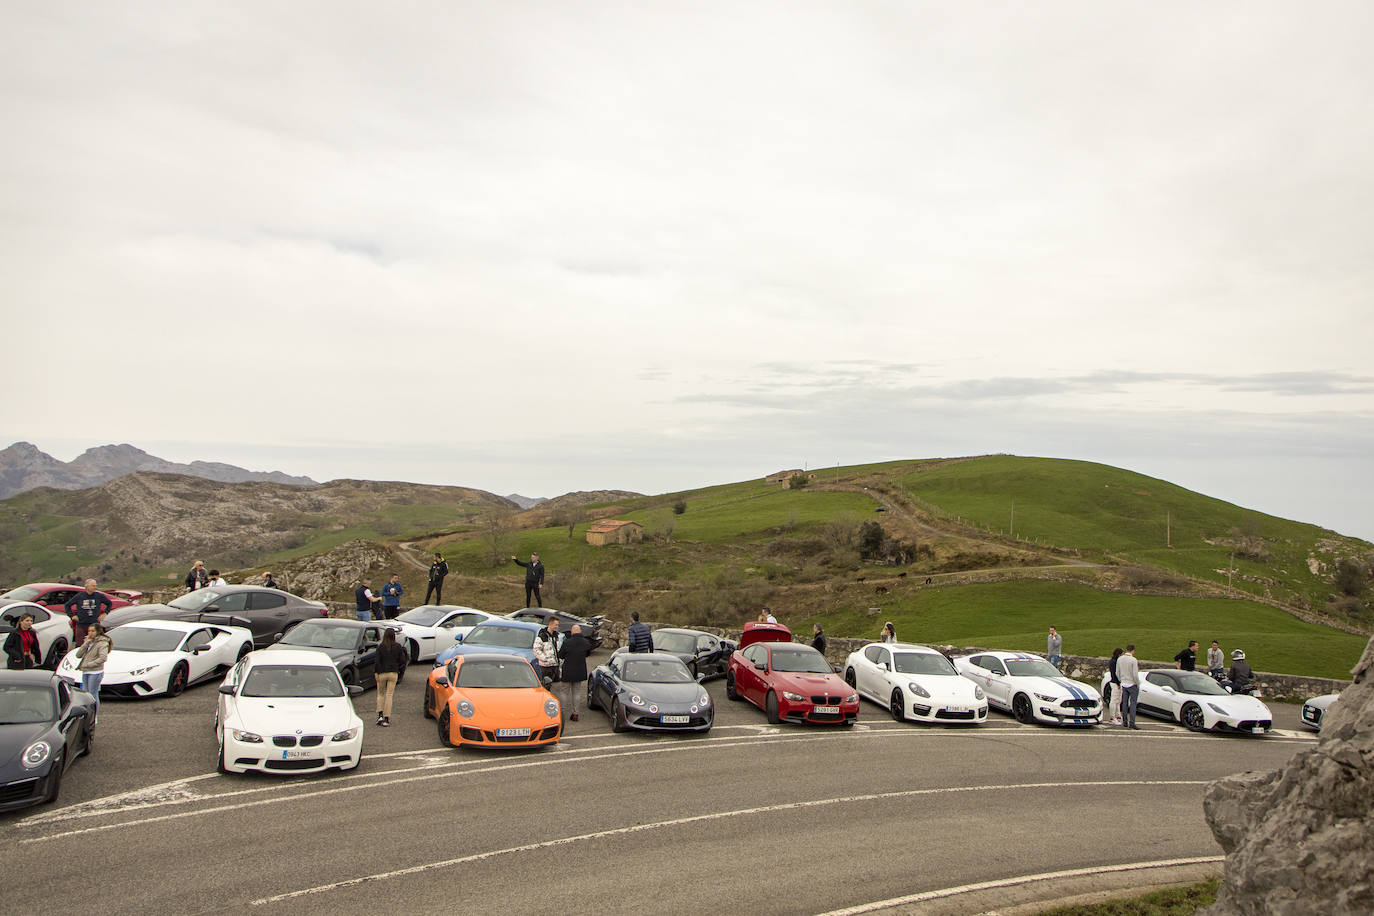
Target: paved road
752 817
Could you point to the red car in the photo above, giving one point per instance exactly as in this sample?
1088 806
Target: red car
790 681
54 597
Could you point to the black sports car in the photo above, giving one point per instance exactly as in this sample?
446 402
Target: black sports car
44 726
268 612
705 654
591 626
650 691
352 644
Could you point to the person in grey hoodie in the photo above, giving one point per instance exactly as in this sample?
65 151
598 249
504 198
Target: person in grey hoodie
1128 670
1056 644
92 654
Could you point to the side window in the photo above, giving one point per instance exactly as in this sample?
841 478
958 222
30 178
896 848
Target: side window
58 596
994 664
448 623
705 644
39 615
756 654
614 665
885 658
872 652
260 601
64 696
372 634
197 638
1159 680
469 620
232 602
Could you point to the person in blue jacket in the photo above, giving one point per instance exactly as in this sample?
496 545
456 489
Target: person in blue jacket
391 598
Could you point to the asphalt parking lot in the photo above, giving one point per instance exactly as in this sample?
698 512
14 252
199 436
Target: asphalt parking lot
772 819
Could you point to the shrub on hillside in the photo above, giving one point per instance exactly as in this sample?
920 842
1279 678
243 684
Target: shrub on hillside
1352 577
871 538
1149 577
797 481
680 507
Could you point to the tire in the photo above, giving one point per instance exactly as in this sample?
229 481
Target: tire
730 690
414 651
898 705
350 677
54 780
243 650
618 723
219 758
1192 718
88 743
1022 709
55 653
176 681
429 702
851 679
445 723
771 708
592 702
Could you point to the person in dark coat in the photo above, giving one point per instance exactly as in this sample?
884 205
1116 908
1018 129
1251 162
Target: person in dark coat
85 608
534 578
197 577
639 639
818 640
21 646
391 664
574 652
437 571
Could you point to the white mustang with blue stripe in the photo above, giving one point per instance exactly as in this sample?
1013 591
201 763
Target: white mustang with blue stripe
1030 688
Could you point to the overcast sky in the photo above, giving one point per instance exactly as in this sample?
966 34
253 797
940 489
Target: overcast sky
540 247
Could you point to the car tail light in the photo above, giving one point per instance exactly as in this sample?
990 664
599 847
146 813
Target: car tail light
324 612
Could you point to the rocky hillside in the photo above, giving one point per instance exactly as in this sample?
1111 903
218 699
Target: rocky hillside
24 467
588 498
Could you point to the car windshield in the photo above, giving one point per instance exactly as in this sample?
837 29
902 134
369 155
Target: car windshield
25 704
1199 684
495 673
22 593
1035 667
194 601
506 637
319 636
657 671
281 681
802 659
685 643
145 639
922 663
423 616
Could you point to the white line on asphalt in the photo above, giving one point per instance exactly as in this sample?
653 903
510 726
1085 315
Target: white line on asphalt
719 815
1012 882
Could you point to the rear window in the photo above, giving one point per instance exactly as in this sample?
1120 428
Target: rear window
505 637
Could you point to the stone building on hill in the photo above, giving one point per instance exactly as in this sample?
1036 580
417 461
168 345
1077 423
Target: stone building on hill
614 531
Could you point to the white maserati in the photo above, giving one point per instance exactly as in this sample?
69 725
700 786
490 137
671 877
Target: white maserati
1198 702
914 682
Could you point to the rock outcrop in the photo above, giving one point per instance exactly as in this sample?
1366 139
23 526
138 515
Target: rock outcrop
1300 839
337 572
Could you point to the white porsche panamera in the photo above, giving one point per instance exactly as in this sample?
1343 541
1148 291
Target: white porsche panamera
1031 689
431 628
1195 700
287 711
914 683
152 657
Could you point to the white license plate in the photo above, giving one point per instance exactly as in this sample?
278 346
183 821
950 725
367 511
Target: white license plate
676 720
296 755
823 710
512 733
956 709
1257 731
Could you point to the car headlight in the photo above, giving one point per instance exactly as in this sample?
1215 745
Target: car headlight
978 693
551 708
36 754
852 698
1047 699
704 701
794 697
1217 709
466 709
347 734
137 671
636 699
246 737
919 690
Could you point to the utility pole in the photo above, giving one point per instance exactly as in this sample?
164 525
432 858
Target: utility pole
1168 529
1231 567
1011 525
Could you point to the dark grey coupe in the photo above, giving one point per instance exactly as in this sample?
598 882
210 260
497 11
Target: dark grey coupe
268 612
352 644
650 691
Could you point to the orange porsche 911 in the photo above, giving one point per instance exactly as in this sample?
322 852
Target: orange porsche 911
492 701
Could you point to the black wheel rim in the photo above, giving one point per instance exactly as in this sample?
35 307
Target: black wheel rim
849 678
1192 717
178 680
898 707
1023 710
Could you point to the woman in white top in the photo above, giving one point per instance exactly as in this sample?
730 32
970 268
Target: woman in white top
889 632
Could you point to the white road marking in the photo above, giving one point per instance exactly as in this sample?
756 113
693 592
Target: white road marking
1012 882
715 816
168 793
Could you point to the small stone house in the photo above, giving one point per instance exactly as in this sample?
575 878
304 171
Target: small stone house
614 531
782 476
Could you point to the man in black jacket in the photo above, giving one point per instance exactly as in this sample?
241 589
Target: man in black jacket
85 608
639 639
818 640
437 570
534 578
574 652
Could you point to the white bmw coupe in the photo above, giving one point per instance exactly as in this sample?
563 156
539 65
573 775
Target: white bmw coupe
152 657
914 682
287 711
1198 702
1031 689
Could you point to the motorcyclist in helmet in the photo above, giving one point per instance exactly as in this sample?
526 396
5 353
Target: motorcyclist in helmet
1240 674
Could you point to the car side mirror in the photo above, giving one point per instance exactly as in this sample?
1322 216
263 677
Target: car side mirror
1168 690
204 647
211 609
701 678
548 682
370 645
355 690
457 638
998 673
882 666
276 637
761 666
227 689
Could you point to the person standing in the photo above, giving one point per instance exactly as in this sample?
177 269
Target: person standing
768 616
92 654
391 664
216 579
1114 686
639 639
437 571
268 581
889 633
197 577
85 608
574 652
546 651
1187 659
1240 673
365 600
21 646
534 578
1216 660
817 638
1055 647
1128 669
391 598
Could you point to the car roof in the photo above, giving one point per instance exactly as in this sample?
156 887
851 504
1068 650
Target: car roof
154 623
1009 656
302 657
446 608
623 653
908 647
512 624
755 631
6 605
686 630
32 676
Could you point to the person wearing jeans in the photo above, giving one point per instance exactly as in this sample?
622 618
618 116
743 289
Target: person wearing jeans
1128 670
391 664
574 652
92 654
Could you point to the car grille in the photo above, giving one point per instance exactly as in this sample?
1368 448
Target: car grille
954 714
19 791
1079 704
826 701
1254 723
657 722
826 716
302 764
312 740
490 737
468 733
284 740
918 710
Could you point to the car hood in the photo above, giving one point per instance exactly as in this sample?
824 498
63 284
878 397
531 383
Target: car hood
664 694
119 661
1240 707
284 715
335 655
496 707
945 688
1061 687
13 740
811 684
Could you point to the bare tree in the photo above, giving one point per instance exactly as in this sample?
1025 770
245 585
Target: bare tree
497 528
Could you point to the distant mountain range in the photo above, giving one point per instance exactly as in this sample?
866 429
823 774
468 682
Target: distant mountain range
24 467
526 502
